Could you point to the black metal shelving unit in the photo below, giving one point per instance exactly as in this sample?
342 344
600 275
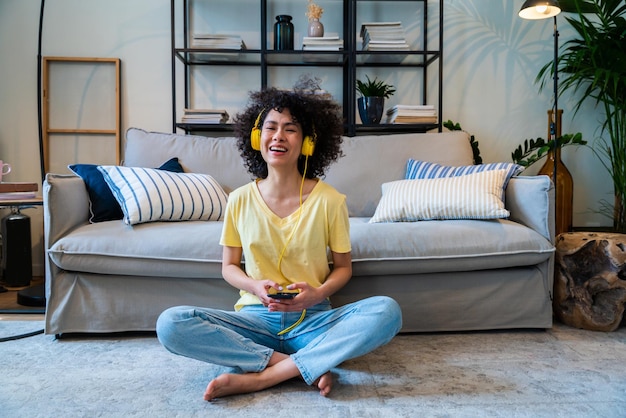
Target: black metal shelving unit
349 60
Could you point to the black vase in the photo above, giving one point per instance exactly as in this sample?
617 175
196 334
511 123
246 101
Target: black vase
283 33
371 109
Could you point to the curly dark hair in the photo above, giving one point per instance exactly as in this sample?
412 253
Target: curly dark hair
320 118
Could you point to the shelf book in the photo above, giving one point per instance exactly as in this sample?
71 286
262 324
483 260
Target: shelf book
382 36
322 43
211 116
412 114
18 191
217 41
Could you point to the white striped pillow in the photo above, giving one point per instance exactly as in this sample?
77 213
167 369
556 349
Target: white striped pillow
416 169
473 196
147 194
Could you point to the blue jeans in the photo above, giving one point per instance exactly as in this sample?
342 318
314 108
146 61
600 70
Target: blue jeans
248 338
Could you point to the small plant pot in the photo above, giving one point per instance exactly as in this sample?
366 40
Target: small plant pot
371 109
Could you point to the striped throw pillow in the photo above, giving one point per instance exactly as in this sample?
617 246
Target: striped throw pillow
416 169
148 195
473 196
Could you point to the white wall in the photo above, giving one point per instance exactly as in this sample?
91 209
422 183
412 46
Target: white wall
491 58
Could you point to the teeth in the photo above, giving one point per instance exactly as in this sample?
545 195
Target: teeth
278 149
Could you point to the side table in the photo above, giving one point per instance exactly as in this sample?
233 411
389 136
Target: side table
590 280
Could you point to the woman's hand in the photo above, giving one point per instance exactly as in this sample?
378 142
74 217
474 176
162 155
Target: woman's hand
306 297
261 288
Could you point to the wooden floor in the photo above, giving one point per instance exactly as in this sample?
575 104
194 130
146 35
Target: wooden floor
8 300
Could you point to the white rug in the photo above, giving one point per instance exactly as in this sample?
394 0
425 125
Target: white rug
563 372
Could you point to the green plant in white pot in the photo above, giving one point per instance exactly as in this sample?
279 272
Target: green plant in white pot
372 101
593 65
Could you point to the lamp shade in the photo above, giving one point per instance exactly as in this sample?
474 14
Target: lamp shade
539 9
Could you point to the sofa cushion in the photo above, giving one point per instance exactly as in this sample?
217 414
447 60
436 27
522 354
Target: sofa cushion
353 174
371 160
157 249
191 249
102 203
473 196
443 246
217 156
148 195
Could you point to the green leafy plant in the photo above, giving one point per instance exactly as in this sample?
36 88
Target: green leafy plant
592 65
475 150
535 149
374 88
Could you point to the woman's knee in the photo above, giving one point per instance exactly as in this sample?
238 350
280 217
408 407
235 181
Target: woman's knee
167 329
388 311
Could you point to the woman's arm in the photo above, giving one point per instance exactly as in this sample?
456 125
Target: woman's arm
339 276
236 277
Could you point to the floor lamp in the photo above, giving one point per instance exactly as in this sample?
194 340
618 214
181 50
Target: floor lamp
545 9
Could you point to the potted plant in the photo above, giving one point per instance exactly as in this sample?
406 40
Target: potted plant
372 101
592 65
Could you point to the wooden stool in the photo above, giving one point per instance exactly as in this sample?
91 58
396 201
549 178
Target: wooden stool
590 280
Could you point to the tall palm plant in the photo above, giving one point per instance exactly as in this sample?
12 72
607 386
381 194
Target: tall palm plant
593 64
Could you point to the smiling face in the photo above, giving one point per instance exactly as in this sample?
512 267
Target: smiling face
281 139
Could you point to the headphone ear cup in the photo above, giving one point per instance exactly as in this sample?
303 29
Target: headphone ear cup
308 146
255 138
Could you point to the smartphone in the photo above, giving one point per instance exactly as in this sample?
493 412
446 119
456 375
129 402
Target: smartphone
282 295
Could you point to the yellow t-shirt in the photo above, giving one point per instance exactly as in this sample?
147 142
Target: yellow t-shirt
304 237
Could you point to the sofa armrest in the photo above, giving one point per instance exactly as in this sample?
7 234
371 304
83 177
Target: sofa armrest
65 206
530 199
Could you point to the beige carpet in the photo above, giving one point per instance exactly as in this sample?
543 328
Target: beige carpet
562 372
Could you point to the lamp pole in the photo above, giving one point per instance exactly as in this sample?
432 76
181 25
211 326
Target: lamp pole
543 9
554 128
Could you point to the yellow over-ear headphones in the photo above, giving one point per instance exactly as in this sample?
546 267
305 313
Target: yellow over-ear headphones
308 144
255 135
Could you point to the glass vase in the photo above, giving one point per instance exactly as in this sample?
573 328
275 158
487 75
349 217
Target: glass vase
564 183
283 33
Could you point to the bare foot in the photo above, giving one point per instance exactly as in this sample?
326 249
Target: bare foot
325 383
230 384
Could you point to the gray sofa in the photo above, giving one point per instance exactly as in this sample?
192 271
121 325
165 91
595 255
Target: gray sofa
452 275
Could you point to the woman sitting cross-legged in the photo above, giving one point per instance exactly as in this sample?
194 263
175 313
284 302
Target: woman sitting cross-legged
284 224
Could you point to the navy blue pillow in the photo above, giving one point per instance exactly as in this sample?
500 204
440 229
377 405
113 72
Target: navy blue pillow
103 205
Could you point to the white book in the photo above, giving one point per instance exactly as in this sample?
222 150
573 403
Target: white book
387 41
379 26
320 38
403 106
386 47
333 43
207 111
321 48
216 36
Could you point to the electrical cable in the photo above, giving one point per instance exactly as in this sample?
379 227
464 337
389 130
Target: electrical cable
280 258
20 336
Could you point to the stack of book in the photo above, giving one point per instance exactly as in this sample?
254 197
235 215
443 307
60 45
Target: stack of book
322 43
217 41
205 116
18 191
412 114
383 36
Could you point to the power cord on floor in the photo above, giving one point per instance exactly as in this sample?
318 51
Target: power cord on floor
19 337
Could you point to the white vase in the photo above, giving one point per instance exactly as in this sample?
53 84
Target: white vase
316 28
